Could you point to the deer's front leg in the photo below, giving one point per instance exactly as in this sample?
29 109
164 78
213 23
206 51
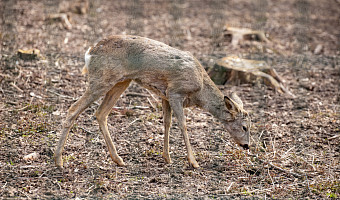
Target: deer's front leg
177 106
167 112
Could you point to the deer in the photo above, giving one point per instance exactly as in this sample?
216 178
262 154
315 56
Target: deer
174 75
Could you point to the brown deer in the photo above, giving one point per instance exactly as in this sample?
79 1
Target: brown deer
174 75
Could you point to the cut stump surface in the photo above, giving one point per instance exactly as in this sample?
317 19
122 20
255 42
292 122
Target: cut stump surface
235 70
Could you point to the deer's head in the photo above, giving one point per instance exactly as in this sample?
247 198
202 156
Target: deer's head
239 125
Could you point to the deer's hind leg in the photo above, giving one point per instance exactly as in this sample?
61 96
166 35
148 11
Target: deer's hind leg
167 112
104 110
92 93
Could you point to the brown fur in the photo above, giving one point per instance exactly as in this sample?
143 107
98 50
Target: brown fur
175 75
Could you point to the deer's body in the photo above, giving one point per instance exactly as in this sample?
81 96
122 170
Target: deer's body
174 75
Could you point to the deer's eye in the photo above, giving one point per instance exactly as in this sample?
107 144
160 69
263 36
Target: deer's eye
244 128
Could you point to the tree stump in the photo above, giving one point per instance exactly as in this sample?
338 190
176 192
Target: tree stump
239 34
234 70
31 54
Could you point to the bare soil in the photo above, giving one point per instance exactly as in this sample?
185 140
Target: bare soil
294 141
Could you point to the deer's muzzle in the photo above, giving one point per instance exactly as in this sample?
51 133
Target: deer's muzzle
245 146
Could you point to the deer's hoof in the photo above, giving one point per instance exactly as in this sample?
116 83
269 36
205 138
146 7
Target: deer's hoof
120 162
166 158
193 163
59 162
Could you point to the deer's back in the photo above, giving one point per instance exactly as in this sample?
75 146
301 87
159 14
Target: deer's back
151 63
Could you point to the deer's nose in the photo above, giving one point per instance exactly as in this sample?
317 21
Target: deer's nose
245 146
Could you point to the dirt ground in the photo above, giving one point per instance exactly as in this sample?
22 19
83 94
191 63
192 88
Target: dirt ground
294 141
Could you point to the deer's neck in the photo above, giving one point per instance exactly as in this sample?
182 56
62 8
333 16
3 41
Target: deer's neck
211 99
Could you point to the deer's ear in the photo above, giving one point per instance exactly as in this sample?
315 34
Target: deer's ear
237 100
230 104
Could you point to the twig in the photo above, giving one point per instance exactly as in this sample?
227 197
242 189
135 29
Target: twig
16 87
23 108
4 185
126 141
89 190
42 174
19 75
63 96
58 185
251 192
130 108
25 194
271 178
284 156
333 137
260 190
125 128
153 106
136 94
229 186
132 122
28 166
153 97
86 131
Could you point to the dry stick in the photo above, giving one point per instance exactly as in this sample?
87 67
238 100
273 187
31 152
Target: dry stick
135 94
230 186
16 87
284 156
250 192
90 189
87 131
276 167
130 108
25 194
3 188
333 137
153 106
152 96
260 190
4 185
63 96
271 178
23 108
125 128
19 75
